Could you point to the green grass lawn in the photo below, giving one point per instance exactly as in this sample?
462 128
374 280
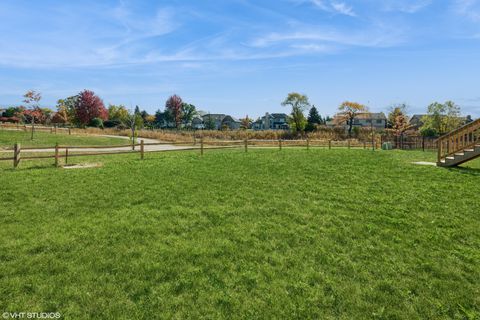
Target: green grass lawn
47 139
319 234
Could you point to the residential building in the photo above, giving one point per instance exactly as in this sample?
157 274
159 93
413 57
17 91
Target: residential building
416 121
377 120
197 123
216 119
231 123
274 121
221 121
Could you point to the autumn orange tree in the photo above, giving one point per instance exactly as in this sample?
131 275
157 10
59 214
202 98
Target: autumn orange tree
398 119
32 99
349 112
245 122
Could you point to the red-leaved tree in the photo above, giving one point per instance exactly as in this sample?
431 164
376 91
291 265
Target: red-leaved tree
174 107
35 115
88 107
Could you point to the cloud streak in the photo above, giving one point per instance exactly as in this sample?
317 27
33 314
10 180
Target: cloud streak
468 8
334 7
406 6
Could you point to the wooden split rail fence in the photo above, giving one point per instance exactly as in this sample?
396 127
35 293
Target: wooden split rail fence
36 128
66 152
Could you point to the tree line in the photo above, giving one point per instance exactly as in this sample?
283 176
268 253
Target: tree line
88 109
439 119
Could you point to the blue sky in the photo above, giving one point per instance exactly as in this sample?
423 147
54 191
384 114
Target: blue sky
244 56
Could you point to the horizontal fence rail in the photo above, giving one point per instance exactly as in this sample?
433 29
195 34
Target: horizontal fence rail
58 152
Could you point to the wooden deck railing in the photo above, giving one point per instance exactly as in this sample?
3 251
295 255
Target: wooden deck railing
465 137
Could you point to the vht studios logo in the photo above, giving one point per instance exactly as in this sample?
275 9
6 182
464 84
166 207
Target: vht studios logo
31 315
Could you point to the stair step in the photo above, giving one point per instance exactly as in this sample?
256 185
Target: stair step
469 150
450 158
460 154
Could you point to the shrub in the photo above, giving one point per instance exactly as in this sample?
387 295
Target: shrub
97 123
428 132
111 123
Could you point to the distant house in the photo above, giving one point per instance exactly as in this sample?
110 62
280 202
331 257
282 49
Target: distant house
214 118
197 123
377 120
221 121
417 120
274 121
231 123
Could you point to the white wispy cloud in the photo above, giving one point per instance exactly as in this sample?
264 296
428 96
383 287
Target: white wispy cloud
468 8
367 38
406 6
95 36
334 6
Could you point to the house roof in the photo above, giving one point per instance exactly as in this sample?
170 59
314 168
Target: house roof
216 116
364 116
419 117
372 115
279 115
230 118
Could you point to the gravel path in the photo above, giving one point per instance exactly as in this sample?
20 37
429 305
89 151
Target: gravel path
99 149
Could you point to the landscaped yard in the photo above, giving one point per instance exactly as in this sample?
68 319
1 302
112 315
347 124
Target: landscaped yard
350 234
47 139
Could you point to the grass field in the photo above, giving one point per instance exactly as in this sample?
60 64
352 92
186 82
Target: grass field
319 234
46 139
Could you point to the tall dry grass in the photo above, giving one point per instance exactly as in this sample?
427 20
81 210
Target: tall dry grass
322 133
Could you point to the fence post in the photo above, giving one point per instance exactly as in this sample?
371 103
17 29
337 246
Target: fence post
329 144
423 143
142 150
440 150
194 139
280 144
56 154
69 131
55 126
201 145
348 143
364 145
16 155
308 144
246 145
133 143
66 155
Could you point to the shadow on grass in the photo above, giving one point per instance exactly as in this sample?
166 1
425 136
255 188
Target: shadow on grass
31 167
466 170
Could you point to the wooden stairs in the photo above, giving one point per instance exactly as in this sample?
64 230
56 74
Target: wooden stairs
460 145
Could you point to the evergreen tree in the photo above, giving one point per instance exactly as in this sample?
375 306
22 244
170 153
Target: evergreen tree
313 119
